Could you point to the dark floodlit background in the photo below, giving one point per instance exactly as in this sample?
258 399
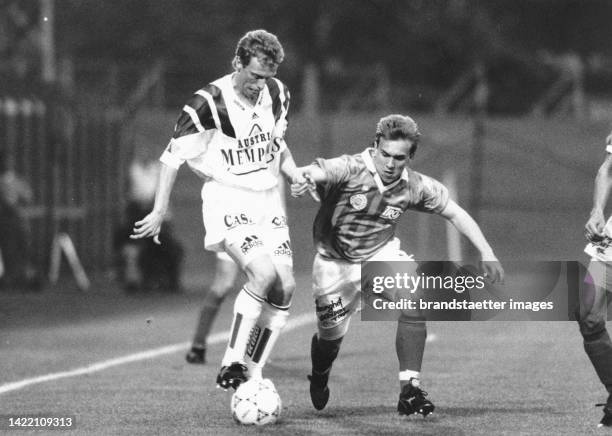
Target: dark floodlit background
514 102
513 99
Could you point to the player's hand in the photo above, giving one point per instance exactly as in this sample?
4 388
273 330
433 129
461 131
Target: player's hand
148 227
302 184
594 228
492 270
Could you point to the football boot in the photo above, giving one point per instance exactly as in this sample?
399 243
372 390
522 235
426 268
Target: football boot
232 376
412 400
606 421
196 355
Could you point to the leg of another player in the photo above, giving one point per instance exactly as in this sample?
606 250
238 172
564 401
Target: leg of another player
271 322
226 271
261 275
592 322
324 349
410 347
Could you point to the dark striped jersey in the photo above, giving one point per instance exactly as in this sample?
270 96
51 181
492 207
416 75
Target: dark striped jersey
223 138
358 213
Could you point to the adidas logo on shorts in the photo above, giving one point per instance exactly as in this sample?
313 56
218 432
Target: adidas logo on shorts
283 249
249 243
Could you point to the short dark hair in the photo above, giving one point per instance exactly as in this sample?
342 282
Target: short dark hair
397 126
262 44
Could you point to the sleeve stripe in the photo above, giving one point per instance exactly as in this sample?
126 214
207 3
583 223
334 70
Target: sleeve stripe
194 117
212 106
222 113
285 98
274 87
282 96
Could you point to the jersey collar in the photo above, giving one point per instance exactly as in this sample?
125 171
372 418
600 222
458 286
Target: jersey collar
369 163
243 104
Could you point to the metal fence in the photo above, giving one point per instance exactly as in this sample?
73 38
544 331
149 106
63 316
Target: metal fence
75 166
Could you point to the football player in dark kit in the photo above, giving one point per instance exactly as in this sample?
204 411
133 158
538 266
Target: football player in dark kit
362 198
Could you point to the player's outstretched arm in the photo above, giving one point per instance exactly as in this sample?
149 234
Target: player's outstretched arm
594 228
294 176
150 225
311 175
470 229
288 168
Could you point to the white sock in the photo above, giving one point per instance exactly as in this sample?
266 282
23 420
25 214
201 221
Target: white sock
247 309
263 337
407 374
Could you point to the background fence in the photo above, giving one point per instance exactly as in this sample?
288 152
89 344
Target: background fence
75 165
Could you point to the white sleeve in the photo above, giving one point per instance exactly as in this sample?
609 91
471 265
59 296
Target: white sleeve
185 148
609 148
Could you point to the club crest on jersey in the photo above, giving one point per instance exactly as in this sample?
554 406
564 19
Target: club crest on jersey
391 212
358 201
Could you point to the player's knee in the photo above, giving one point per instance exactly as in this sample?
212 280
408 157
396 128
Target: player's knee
592 326
412 317
281 297
415 323
261 278
220 290
288 285
284 289
335 332
222 287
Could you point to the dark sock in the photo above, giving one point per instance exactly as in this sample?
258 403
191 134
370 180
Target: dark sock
599 349
410 344
211 305
323 353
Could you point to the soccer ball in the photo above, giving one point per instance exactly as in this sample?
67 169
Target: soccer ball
256 402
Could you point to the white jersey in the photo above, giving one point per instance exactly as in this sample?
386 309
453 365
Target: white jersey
223 138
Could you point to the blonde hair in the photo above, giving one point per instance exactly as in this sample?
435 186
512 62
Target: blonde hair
261 44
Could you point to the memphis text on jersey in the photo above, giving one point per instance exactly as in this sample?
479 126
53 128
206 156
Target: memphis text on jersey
250 150
220 137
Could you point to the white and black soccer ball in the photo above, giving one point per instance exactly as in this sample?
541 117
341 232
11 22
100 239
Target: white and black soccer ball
256 402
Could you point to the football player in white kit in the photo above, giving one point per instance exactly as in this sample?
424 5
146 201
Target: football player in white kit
231 133
593 310
226 273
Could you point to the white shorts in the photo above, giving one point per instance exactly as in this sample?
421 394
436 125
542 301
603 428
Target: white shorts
255 220
337 284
